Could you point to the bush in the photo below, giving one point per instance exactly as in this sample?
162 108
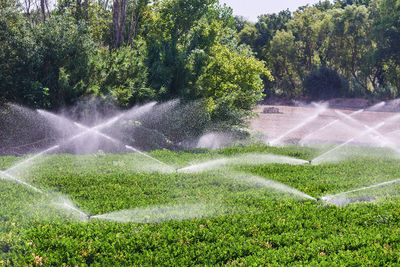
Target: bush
120 74
17 60
324 83
63 48
231 84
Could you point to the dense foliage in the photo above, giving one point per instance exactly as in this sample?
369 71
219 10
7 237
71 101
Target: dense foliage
246 225
357 39
128 52
136 51
324 83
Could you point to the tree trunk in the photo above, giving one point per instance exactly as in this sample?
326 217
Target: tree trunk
47 7
28 9
116 19
85 9
135 27
43 10
122 23
119 14
132 26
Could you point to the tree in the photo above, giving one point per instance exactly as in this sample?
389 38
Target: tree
344 3
120 75
181 30
139 12
194 55
259 35
119 15
18 73
63 48
231 84
283 50
306 27
350 41
267 26
249 35
240 23
387 29
295 51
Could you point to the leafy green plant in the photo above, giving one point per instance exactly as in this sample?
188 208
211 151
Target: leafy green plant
251 225
120 74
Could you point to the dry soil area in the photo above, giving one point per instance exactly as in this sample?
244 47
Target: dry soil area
311 124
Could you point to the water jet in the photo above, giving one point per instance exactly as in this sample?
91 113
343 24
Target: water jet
320 110
318 159
332 123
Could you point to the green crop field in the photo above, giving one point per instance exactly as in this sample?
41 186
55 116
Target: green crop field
238 214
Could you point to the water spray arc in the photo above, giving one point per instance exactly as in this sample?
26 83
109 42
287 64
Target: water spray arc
32 158
385 141
376 107
150 157
12 178
337 199
48 150
277 140
317 159
96 131
160 213
20 165
367 131
270 184
167 212
302 140
249 159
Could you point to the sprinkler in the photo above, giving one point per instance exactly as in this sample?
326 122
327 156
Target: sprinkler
88 216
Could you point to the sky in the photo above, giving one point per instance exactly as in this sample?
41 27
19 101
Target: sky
250 9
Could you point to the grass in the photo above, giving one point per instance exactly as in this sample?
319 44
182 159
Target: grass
237 222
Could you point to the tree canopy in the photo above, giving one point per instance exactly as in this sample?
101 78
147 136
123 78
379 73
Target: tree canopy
129 52
356 39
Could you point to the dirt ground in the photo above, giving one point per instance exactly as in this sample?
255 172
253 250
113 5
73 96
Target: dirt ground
314 124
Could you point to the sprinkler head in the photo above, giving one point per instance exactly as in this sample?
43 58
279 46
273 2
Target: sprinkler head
310 162
323 199
89 216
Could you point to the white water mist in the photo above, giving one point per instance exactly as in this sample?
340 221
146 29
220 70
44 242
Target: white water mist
160 213
248 159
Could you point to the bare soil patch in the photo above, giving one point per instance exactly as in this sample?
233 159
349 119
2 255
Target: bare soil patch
274 125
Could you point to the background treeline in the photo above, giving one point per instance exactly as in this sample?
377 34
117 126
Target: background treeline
127 52
348 48
131 51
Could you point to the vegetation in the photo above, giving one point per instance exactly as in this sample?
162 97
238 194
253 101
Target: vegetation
127 52
247 225
356 39
132 51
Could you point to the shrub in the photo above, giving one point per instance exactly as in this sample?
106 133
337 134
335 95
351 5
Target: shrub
231 84
120 74
324 83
